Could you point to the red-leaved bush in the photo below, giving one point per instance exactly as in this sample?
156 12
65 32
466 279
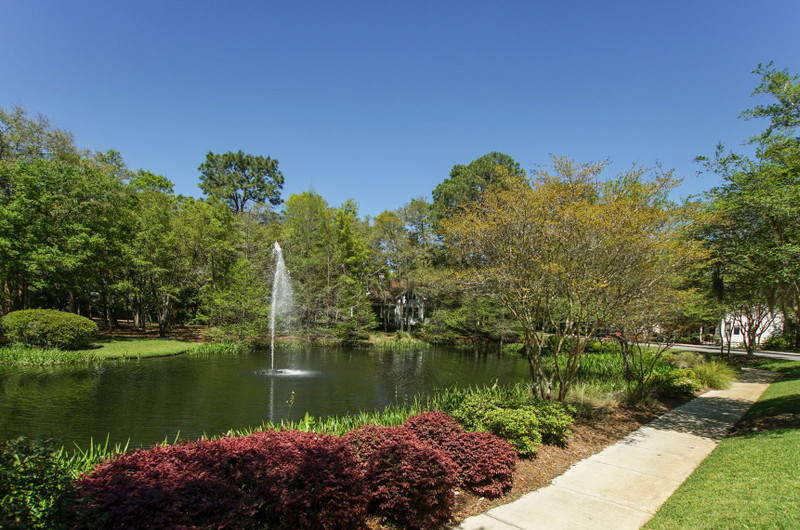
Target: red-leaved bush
283 479
411 483
435 427
364 441
485 463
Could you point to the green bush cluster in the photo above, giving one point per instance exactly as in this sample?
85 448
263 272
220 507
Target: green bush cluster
680 382
48 328
603 347
34 484
779 342
525 426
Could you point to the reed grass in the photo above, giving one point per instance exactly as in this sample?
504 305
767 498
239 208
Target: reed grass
20 355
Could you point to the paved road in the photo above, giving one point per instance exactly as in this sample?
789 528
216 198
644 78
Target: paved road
738 351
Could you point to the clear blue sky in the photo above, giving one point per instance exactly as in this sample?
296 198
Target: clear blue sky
376 101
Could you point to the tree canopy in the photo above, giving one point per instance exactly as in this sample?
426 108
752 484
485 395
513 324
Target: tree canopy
239 179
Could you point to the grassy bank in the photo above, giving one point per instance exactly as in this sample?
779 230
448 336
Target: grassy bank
750 480
107 349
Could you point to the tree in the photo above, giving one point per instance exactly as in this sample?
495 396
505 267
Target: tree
27 139
754 227
557 251
239 179
466 182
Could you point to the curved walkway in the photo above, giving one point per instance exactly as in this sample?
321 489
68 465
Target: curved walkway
624 485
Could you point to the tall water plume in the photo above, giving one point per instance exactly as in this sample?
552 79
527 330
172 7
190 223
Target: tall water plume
282 298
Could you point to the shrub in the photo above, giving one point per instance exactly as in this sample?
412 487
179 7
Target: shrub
715 374
34 484
783 342
514 348
680 382
411 483
603 347
283 479
48 328
484 462
364 441
525 427
435 428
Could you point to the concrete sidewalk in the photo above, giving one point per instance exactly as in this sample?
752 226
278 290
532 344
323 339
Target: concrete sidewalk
625 484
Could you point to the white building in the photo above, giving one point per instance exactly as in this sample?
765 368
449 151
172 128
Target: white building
735 326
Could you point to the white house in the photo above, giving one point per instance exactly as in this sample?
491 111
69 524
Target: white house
734 327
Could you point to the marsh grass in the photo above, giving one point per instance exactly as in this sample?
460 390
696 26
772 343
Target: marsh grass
19 355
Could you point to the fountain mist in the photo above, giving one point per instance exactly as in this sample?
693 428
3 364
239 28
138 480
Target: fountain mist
282 298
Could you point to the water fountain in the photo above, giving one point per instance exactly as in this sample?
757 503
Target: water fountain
282 298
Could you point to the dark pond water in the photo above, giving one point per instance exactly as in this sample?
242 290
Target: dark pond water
152 399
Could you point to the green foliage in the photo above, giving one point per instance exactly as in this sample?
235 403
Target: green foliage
680 382
779 343
715 374
218 348
34 484
238 178
524 424
20 355
49 329
466 182
609 347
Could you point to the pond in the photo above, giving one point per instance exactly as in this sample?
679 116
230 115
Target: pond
151 399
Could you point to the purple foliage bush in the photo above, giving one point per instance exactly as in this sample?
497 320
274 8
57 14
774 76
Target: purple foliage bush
485 463
412 483
283 479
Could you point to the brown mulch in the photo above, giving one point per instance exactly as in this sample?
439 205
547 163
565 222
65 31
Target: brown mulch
125 329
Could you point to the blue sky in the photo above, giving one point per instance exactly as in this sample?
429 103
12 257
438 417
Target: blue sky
376 101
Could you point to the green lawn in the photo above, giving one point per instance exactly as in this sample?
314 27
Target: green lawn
118 348
752 479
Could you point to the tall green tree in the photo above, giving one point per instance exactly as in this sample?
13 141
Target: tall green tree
754 229
240 179
466 182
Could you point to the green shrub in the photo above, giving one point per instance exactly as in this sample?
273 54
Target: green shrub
34 484
680 382
514 348
524 426
715 374
603 347
48 328
779 343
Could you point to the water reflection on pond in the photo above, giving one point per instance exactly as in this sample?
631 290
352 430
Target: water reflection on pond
152 399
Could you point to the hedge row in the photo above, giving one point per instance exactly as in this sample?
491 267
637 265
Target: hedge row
292 479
